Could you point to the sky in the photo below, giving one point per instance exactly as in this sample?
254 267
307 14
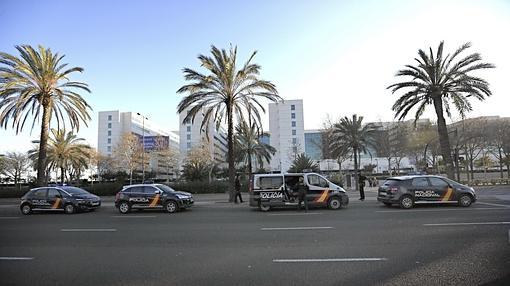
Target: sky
338 56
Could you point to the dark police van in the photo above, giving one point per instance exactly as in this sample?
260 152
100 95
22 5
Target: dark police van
152 196
408 190
61 198
279 190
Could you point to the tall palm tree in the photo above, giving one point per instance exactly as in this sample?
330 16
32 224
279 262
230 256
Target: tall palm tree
352 136
248 146
441 81
302 163
66 153
225 94
37 84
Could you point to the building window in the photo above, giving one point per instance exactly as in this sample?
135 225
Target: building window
109 140
188 128
109 125
188 145
188 136
109 148
109 133
294 141
293 131
294 149
109 118
293 123
293 115
292 107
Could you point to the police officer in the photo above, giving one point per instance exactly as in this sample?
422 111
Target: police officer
361 185
302 192
238 190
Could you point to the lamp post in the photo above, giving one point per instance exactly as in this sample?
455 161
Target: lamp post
143 146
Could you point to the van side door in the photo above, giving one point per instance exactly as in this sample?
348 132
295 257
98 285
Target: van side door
318 188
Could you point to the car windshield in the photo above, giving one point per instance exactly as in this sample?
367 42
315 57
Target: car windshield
165 188
75 191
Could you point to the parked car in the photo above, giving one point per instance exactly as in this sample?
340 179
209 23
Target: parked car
277 190
408 190
152 196
59 198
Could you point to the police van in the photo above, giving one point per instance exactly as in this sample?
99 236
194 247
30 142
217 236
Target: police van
280 190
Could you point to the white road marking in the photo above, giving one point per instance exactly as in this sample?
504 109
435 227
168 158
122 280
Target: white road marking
468 223
15 258
133 216
495 205
88 229
292 214
297 228
328 260
9 217
441 210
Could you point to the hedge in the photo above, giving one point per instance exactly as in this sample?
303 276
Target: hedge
111 188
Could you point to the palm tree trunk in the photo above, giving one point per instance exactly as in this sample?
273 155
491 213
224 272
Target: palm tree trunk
62 174
131 176
444 141
389 165
230 139
500 163
356 175
43 142
249 165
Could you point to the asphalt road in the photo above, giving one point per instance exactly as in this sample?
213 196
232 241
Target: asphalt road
217 243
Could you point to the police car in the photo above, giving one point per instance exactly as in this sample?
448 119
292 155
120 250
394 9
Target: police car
408 190
277 190
60 198
152 196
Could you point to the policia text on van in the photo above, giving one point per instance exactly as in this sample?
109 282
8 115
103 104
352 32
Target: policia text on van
279 190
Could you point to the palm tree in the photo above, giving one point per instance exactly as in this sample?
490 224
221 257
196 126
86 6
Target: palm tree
351 136
37 84
225 94
248 145
66 153
302 163
441 81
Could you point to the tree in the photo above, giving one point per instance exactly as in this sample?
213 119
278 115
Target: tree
14 165
302 163
37 84
104 165
128 153
472 132
225 93
65 152
250 147
441 81
353 137
199 164
499 138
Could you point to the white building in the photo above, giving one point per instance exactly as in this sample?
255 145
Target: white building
286 128
191 135
113 124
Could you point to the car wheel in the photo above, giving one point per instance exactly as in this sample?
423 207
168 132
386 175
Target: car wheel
264 208
171 206
69 209
465 201
406 202
26 209
124 207
335 203
387 204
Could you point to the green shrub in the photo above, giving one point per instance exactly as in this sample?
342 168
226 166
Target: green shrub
13 192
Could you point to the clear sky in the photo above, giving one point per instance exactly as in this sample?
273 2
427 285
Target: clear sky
338 56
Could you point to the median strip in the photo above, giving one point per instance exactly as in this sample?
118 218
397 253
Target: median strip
15 258
468 223
294 214
442 210
88 230
297 228
9 217
305 260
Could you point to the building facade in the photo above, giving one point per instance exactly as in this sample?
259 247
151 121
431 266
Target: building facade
192 135
113 124
286 127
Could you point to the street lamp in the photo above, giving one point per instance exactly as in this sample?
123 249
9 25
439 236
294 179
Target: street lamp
143 146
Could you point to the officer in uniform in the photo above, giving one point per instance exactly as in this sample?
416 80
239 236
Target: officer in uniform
302 192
